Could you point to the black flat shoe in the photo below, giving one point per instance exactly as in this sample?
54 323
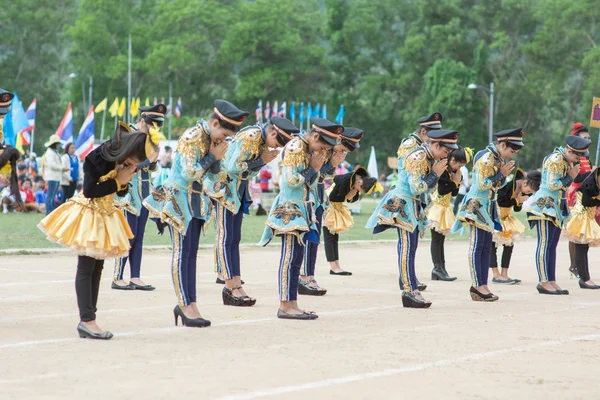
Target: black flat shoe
543 290
476 295
147 288
563 291
584 285
421 286
409 300
343 273
304 316
305 287
222 282
118 287
189 322
229 299
504 281
85 333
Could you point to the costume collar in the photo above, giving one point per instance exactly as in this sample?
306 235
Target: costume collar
419 140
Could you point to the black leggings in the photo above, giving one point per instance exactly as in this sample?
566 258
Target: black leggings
437 248
506 255
331 245
87 285
581 260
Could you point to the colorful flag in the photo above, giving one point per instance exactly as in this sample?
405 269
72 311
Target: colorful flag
114 108
155 101
275 109
19 123
268 112
147 103
309 112
30 115
324 111
133 110
258 112
282 109
102 105
178 108
85 140
293 112
339 118
316 111
301 112
121 110
65 129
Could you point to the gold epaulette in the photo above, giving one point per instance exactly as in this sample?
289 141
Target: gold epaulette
252 140
407 145
486 165
417 163
295 154
556 163
192 140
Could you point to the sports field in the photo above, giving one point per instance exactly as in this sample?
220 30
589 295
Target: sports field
363 346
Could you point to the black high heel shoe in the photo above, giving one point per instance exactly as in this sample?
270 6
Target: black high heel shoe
229 299
409 300
85 333
310 288
190 322
476 295
584 285
543 290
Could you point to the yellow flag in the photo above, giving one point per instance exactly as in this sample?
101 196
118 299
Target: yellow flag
102 105
114 108
19 144
121 110
133 110
147 103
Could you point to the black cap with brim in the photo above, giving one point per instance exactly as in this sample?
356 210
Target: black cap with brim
431 121
351 138
154 113
5 99
229 113
512 136
329 131
579 145
284 128
444 137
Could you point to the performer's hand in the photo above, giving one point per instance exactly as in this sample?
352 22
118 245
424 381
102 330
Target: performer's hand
522 198
317 159
507 168
125 174
573 170
219 150
337 158
457 176
269 155
440 166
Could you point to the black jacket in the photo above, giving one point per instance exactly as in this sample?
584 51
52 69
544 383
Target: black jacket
589 190
447 185
94 168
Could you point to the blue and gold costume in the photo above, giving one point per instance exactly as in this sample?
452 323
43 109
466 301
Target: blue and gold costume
548 210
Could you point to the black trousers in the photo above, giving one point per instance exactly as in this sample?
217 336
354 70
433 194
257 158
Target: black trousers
506 256
87 286
437 248
68 191
457 200
331 245
581 260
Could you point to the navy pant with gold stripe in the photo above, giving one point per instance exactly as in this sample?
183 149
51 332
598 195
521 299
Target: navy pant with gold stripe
545 255
407 249
227 244
183 262
138 227
312 248
292 252
480 247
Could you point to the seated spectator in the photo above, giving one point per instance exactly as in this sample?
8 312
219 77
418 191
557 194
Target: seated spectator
8 200
40 195
29 197
22 171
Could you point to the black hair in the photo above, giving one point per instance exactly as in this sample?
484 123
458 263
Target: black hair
168 148
66 149
27 180
224 124
515 147
534 179
458 154
124 145
54 146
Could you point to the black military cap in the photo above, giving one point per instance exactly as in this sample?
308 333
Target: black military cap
444 137
432 121
512 136
284 128
5 99
229 113
329 131
154 113
350 138
579 145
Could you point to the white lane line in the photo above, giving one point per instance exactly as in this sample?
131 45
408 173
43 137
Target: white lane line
395 371
174 329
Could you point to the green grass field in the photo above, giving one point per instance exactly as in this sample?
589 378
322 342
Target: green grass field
19 231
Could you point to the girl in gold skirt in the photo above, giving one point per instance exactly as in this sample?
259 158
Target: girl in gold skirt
337 217
581 227
511 197
90 224
440 217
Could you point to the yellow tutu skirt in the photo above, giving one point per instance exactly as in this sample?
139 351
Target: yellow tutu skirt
581 226
89 227
440 218
512 229
337 218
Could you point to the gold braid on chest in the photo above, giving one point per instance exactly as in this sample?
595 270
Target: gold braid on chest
195 141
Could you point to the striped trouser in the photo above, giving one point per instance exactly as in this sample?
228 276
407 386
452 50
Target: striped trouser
545 254
407 249
138 227
183 261
480 247
292 252
227 242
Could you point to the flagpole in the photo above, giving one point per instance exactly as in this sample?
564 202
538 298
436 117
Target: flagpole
170 107
102 130
90 92
33 135
128 105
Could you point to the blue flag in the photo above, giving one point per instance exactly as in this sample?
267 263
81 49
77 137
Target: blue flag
15 122
324 112
309 112
316 111
340 115
301 112
293 112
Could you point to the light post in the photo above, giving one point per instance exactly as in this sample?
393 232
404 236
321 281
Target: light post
490 91
85 106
